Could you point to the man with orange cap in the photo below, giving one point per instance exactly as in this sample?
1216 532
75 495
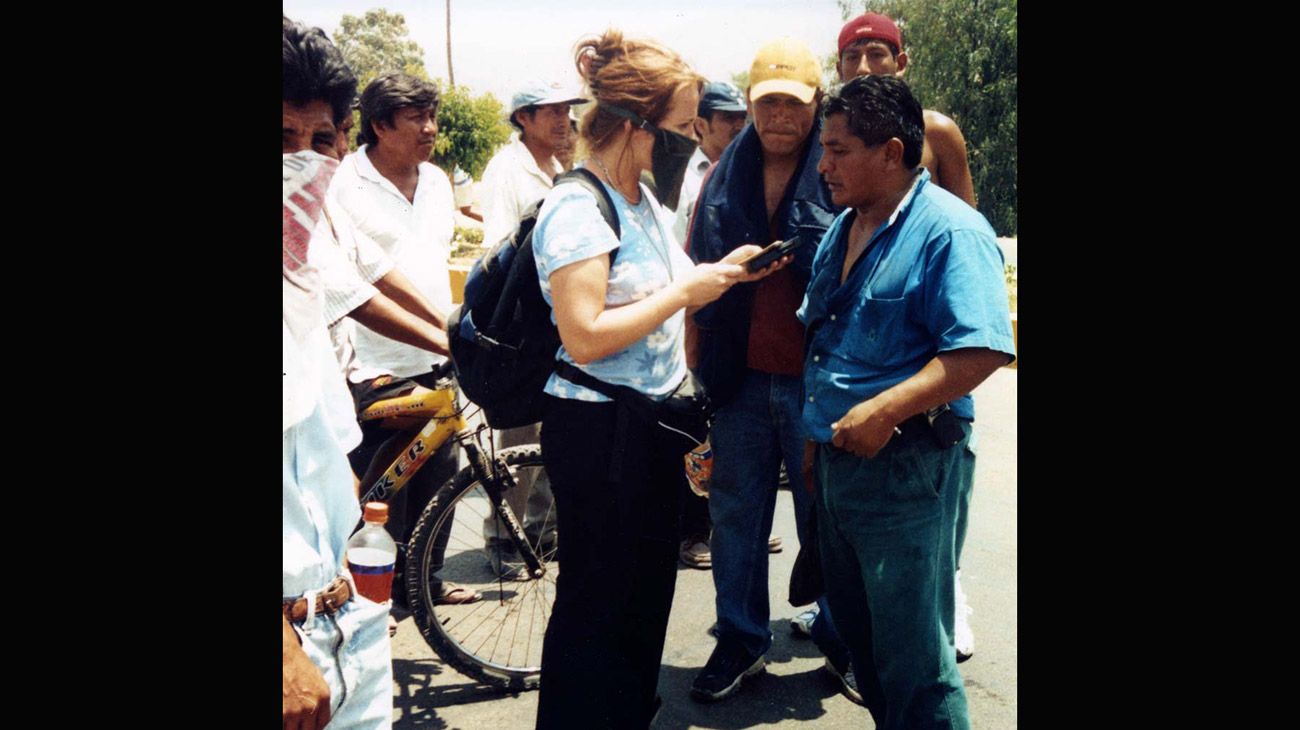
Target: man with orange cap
764 188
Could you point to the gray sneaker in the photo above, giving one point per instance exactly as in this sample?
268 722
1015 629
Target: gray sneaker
694 553
504 562
848 682
802 624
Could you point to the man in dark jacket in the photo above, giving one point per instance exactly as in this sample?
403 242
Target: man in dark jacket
750 352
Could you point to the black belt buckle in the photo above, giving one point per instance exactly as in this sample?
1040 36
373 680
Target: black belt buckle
944 426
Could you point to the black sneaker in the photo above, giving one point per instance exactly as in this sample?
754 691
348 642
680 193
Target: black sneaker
724 672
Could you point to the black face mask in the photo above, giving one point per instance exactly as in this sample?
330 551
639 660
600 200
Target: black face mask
668 160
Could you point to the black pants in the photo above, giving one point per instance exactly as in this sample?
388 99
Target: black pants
695 514
618 565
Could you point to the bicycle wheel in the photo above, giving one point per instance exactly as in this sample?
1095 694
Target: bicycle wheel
496 640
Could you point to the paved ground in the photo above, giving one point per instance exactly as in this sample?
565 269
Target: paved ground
428 694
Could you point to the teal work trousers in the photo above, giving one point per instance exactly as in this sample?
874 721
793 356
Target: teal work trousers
886 535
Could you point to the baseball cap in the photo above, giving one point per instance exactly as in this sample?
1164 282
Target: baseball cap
784 66
871 25
541 92
720 96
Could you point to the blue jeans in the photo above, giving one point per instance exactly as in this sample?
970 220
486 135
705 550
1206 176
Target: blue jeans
750 437
959 502
886 529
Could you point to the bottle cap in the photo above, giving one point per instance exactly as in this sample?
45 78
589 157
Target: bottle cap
376 512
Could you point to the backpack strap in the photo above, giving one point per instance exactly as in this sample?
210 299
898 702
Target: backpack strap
587 179
637 400
528 267
626 400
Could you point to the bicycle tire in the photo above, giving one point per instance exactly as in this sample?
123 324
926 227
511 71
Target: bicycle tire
459 634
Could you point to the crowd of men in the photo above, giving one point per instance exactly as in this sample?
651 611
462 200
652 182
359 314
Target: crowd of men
852 366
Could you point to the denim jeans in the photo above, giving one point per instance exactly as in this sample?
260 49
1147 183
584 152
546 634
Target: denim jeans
959 502
886 527
751 435
352 650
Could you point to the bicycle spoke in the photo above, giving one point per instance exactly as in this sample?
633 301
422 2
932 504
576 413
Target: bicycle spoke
532 622
514 638
472 611
500 605
499 631
509 635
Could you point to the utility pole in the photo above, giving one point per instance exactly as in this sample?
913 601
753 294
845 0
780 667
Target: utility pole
451 76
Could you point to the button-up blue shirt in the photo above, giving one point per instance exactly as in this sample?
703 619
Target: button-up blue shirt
931 281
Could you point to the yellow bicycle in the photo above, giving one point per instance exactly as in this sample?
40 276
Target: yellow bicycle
497 640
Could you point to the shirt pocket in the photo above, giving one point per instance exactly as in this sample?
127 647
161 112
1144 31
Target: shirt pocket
875 334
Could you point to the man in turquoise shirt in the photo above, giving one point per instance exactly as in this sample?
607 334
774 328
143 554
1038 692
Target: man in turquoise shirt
906 313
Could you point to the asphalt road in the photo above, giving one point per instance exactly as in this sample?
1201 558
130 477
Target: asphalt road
795 691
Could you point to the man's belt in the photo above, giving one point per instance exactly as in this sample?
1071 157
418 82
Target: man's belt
329 600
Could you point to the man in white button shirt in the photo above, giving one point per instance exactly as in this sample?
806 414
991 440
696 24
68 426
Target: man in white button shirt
523 171
393 195
568 152
462 186
336 658
519 175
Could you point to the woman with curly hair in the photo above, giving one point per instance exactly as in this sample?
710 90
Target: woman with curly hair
615 472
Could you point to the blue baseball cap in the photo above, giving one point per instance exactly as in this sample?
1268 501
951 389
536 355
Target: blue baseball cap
541 92
720 96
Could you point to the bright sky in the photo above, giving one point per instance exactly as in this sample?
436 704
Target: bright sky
499 45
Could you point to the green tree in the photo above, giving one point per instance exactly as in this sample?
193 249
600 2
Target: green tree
470 129
830 72
377 43
962 62
374 44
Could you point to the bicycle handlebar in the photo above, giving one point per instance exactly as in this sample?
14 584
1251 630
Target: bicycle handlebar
430 379
444 370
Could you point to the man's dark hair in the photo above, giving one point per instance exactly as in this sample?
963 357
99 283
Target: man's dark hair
712 115
314 69
388 93
893 49
879 108
530 110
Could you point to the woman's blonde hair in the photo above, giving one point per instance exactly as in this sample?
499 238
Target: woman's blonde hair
639 76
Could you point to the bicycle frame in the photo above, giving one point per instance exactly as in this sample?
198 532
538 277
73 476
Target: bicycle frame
446 422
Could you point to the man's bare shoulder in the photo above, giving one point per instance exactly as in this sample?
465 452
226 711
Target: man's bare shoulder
944 154
941 126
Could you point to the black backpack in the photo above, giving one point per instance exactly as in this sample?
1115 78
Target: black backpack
502 341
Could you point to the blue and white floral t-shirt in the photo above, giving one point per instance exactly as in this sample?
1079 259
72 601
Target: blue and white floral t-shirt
570 229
